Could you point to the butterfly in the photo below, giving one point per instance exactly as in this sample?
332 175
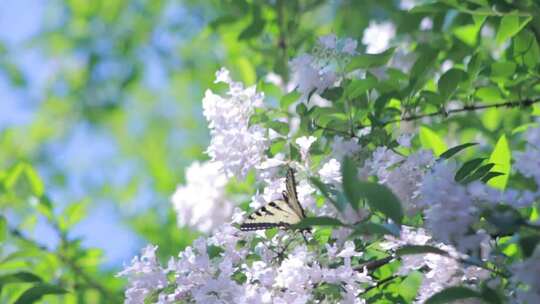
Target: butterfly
279 213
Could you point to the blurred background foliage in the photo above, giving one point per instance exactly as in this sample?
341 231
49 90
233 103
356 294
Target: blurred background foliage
100 111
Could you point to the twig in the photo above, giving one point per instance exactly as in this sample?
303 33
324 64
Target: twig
442 112
372 265
380 283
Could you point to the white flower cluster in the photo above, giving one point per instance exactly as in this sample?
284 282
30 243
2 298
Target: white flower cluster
201 203
442 271
527 272
145 275
314 73
403 175
446 201
528 162
235 144
215 270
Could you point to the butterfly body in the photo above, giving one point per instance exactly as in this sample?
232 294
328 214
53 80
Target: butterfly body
278 213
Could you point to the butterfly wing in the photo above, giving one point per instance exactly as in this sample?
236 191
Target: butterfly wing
292 195
277 213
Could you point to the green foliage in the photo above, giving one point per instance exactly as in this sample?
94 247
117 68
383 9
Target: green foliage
430 140
501 157
419 249
37 291
381 199
350 182
452 294
370 60
454 150
153 119
318 221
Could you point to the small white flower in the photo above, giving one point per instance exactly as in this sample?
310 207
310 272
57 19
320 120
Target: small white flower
330 172
405 140
349 250
305 143
144 275
426 24
344 147
223 75
234 143
446 65
377 36
201 203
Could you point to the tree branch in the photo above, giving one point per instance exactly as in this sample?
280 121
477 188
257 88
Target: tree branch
442 112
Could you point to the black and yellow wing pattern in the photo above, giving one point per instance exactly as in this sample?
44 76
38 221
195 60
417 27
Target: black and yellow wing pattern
279 213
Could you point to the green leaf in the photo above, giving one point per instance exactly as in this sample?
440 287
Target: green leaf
468 33
358 87
479 173
426 58
371 228
430 140
270 233
318 221
18 277
288 100
452 294
3 228
37 291
408 288
35 181
73 214
491 175
489 94
503 69
25 177
501 157
510 25
332 94
467 168
492 296
214 251
528 244
365 61
326 192
380 198
255 28
454 150
419 249
449 82
278 126
350 182
526 50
